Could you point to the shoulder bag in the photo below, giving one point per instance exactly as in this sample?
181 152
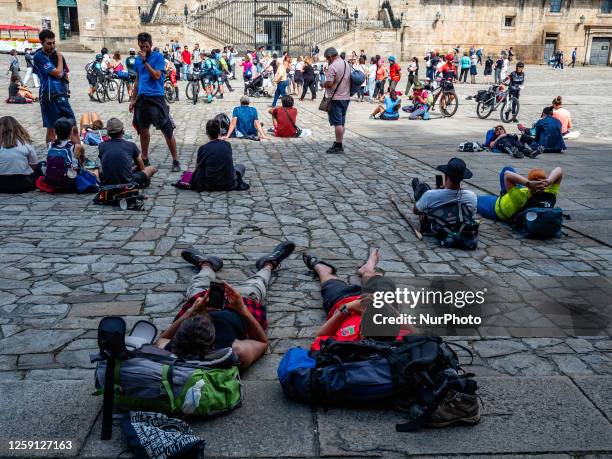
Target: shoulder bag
325 104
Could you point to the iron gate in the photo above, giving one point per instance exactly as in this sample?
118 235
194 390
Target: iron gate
279 25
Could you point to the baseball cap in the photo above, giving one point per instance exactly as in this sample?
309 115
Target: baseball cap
391 58
114 126
456 169
449 57
132 50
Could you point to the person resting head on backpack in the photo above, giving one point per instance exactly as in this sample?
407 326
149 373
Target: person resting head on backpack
426 199
92 129
19 166
389 108
120 159
237 320
511 144
517 190
349 308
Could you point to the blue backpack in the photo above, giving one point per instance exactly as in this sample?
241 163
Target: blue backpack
540 219
357 79
61 164
414 374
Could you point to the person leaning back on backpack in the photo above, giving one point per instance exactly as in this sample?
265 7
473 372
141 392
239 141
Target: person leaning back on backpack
455 171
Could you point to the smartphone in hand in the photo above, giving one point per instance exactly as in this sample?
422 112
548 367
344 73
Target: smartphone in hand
216 295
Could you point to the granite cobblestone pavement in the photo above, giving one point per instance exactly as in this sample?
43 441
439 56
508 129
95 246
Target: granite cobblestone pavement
65 263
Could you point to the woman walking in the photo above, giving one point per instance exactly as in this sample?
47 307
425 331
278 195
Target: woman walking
298 76
381 77
413 73
465 67
372 78
473 68
310 79
280 78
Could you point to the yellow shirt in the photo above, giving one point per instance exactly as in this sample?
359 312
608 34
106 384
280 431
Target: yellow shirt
516 198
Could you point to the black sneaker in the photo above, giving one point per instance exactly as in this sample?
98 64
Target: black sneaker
280 252
311 261
516 153
176 166
146 162
336 148
197 259
456 408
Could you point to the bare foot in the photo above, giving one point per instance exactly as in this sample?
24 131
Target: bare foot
370 265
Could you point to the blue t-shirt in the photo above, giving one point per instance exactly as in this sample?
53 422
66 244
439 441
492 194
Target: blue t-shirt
466 62
246 116
147 85
49 85
390 104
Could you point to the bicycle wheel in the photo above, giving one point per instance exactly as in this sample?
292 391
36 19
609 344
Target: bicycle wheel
449 103
169 92
485 108
509 109
112 89
121 91
100 93
195 90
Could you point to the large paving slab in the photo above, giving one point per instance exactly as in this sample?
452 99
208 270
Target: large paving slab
49 411
599 390
520 415
267 424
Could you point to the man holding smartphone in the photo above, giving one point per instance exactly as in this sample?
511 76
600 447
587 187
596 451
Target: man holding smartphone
217 315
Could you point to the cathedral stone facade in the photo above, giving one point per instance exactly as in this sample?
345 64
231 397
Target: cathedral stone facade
534 28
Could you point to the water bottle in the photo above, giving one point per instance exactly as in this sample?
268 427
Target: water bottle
192 398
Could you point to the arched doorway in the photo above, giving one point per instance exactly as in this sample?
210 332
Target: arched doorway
68 19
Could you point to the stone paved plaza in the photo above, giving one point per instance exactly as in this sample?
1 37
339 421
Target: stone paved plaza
65 263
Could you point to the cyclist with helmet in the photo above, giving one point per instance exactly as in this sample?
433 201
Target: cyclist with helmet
447 73
210 74
130 62
94 73
516 82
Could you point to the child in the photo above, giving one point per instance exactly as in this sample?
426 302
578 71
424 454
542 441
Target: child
64 159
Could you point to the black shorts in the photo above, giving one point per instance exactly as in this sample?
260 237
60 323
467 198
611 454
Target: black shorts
337 113
140 179
335 290
153 110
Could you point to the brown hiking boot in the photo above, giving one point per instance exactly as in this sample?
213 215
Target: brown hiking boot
456 408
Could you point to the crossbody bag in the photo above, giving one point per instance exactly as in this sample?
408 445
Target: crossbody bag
298 131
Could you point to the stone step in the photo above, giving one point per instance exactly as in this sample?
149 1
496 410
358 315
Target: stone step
74 47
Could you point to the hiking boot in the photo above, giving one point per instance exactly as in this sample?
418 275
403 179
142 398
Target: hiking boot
454 409
280 252
311 261
197 259
335 148
146 162
516 153
176 166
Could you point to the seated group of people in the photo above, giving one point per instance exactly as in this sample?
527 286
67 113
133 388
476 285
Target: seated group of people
390 104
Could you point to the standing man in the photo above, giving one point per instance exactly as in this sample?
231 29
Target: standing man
196 59
147 101
186 61
29 58
338 88
573 64
14 68
53 89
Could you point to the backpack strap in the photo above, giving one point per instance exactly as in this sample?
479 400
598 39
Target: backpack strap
112 365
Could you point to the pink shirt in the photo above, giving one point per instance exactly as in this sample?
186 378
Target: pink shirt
566 120
334 73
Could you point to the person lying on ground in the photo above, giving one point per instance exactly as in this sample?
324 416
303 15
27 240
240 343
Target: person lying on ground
426 199
349 307
547 135
517 190
237 322
421 101
92 129
245 122
120 159
512 144
389 107
19 167
215 169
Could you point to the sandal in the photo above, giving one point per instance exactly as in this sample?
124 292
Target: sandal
311 261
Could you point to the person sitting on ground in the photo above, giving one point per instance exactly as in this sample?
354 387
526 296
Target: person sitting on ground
92 129
245 122
215 170
511 144
19 94
284 119
516 191
19 167
426 199
421 101
349 308
562 114
545 135
389 107
201 327
120 160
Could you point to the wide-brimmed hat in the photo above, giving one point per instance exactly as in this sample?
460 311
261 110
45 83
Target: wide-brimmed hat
455 169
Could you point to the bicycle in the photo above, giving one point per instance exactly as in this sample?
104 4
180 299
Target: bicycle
494 97
169 91
106 88
125 85
449 102
193 88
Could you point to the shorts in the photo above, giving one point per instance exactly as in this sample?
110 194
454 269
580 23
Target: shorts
335 290
337 112
58 108
486 206
153 110
388 117
140 179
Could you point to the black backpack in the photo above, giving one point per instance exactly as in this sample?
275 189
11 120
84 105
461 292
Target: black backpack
454 226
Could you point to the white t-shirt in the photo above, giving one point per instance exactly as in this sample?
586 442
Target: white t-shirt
435 198
17 160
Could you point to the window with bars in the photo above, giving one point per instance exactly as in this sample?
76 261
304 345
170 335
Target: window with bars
555 6
606 6
509 21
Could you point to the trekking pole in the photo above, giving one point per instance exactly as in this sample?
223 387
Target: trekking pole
417 233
